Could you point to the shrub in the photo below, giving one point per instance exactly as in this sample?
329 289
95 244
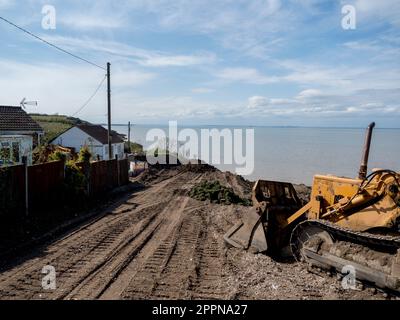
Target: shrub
84 155
57 156
135 148
75 180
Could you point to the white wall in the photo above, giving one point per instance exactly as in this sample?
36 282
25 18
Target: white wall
76 138
118 149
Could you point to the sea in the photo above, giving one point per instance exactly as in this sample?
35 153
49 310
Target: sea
296 154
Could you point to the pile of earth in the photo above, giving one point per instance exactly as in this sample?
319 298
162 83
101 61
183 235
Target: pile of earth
216 193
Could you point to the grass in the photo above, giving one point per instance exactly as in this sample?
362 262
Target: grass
135 147
54 125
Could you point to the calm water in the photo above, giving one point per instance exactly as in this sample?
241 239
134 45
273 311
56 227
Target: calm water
297 154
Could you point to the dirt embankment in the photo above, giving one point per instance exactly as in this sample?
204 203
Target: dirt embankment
158 243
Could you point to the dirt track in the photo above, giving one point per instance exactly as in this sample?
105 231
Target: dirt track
160 244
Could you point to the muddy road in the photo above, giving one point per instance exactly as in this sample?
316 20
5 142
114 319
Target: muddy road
160 244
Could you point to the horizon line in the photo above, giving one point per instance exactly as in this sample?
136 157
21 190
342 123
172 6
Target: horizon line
255 126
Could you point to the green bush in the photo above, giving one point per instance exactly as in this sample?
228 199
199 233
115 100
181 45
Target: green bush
58 156
84 155
135 148
75 180
217 193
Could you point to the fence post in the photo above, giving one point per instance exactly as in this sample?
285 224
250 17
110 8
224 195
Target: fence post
25 163
118 170
88 174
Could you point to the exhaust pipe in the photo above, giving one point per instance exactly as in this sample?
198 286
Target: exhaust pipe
362 175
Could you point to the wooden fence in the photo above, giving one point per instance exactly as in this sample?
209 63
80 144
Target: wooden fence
106 175
12 191
46 183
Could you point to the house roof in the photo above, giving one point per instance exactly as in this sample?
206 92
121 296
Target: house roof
16 119
100 133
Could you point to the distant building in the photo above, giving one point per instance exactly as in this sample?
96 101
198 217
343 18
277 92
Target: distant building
95 138
19 135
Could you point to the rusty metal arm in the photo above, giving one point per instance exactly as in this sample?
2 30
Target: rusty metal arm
364 162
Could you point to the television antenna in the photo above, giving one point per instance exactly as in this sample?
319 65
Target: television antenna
25 103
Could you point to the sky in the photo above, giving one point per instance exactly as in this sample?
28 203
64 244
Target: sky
209 62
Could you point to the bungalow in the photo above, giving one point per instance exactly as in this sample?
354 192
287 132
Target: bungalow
19 135
95 137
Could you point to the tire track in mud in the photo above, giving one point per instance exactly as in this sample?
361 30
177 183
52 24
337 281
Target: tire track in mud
185 266
166 272
97 282
83 252
209 283
86 252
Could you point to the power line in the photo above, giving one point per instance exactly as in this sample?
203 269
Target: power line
50 44
91 97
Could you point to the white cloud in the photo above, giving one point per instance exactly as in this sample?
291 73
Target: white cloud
247 75
147 58
81 21
382 11
166 108
309 93
341 77
252 28
159 60
361 102
202 90
4 4
63 89
257 102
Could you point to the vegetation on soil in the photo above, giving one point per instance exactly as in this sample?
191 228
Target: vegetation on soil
57 156
217 193
84 155
54 125
135 148
75 183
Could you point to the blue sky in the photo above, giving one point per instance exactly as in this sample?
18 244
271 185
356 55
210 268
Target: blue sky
231 62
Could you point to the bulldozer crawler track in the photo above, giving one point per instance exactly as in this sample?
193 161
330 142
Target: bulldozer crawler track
340 233
389 245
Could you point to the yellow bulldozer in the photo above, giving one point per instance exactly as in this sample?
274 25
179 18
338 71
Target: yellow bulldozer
348 222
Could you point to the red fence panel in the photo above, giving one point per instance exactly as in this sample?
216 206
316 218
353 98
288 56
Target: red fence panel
105 175
98 178
45 184
123 172
12 190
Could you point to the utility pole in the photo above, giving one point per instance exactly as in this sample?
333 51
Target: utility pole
129 137
110 153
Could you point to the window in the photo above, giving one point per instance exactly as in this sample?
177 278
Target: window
15 152
5 154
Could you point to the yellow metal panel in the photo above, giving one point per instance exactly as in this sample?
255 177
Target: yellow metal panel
329 190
